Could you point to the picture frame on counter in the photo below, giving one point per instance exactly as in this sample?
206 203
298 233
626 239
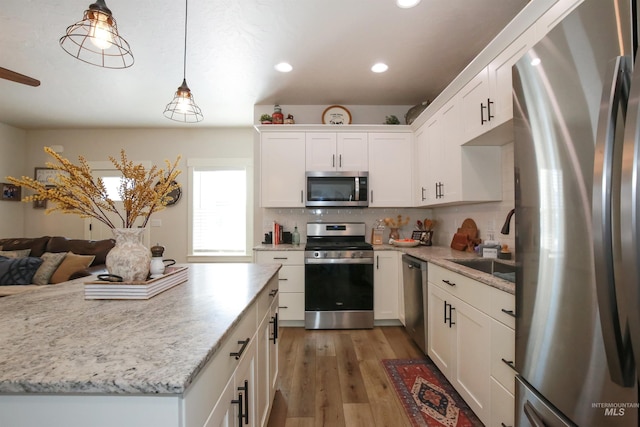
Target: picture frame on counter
336 115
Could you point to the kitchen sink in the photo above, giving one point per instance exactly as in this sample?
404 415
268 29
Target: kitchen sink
490 266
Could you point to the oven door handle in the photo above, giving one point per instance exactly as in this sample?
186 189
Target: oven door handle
338 261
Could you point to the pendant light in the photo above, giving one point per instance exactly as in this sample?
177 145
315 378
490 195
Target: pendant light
183 107
95 40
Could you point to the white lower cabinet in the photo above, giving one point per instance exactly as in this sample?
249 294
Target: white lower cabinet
468 344
240 380
291 281
386 284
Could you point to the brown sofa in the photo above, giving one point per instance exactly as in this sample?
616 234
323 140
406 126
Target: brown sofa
40 245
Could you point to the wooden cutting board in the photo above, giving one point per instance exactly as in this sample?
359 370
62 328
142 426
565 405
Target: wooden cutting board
466 237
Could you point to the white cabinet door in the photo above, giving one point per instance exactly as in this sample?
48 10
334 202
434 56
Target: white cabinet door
501 86
291 306
423 166
282 160
440 336
472 370
341 151
476 107
224 413
321 151
246 385
448 146
386 285
390 169
352 152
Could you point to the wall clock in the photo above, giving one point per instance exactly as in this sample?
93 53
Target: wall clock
336 115
174 194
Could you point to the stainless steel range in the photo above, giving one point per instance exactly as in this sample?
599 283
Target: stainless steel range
338 277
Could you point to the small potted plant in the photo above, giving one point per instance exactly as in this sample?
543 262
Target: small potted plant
392 120
265 119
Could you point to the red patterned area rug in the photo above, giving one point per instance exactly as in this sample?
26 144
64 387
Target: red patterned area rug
428 398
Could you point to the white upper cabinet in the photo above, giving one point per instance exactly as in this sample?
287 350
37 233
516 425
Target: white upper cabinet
336 151
282 169
390 169
487 101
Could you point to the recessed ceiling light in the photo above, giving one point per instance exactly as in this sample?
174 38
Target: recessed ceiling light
379 67
535 61
407 4
284 67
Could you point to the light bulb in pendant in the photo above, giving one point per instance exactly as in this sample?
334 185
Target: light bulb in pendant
101 31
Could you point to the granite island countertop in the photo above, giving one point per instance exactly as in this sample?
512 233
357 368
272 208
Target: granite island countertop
55 341
438 255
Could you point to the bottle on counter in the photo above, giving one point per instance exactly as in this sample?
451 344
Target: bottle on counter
277 118
295 238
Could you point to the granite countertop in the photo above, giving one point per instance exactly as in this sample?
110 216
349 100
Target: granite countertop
55 341
438 255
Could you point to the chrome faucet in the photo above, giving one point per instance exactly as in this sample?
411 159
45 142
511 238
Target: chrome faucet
505 227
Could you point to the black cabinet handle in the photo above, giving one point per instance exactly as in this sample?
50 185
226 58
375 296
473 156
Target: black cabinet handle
423 196
244 415
244 343
448 282
238 402
377 262
509 312
283 306
504 425
451 322
333 161
340 163
280 257
449 318
509 363
489 115
274 322
274 292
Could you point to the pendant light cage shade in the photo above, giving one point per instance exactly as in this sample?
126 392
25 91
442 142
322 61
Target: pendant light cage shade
183 107
96 40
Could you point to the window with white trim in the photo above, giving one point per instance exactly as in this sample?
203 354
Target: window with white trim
221 214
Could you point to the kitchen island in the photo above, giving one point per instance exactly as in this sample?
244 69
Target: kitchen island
67 361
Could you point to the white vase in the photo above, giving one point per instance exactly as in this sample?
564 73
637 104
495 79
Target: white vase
129 258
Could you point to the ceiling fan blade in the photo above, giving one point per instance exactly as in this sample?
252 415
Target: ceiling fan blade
18 78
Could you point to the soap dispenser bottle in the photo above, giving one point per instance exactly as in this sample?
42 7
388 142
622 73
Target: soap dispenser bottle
295 237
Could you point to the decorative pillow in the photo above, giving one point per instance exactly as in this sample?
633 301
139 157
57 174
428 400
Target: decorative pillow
18 271
20 253
51 262
70 265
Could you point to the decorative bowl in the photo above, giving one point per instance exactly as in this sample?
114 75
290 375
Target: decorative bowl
406 243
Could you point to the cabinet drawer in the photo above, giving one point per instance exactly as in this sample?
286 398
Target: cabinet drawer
280 257
503 343
502 405
468 290
291 306
291 278
503 303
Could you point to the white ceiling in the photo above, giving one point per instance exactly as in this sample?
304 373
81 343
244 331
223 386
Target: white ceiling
233 46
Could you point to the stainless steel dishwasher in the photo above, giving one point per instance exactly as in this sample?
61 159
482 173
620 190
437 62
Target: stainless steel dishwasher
414 278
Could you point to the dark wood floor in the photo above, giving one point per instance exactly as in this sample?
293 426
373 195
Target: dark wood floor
336 378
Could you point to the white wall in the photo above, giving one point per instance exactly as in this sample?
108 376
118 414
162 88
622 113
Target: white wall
154 145
13 158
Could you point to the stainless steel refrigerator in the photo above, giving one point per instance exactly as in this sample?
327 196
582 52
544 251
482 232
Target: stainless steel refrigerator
577 149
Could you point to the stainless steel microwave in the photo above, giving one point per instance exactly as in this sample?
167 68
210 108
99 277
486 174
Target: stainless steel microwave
337 189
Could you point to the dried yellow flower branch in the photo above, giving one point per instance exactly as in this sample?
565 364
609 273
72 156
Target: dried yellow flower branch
76 191
396 222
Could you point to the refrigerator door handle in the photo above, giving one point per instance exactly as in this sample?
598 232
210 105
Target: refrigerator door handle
616 345
532 415
630 211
